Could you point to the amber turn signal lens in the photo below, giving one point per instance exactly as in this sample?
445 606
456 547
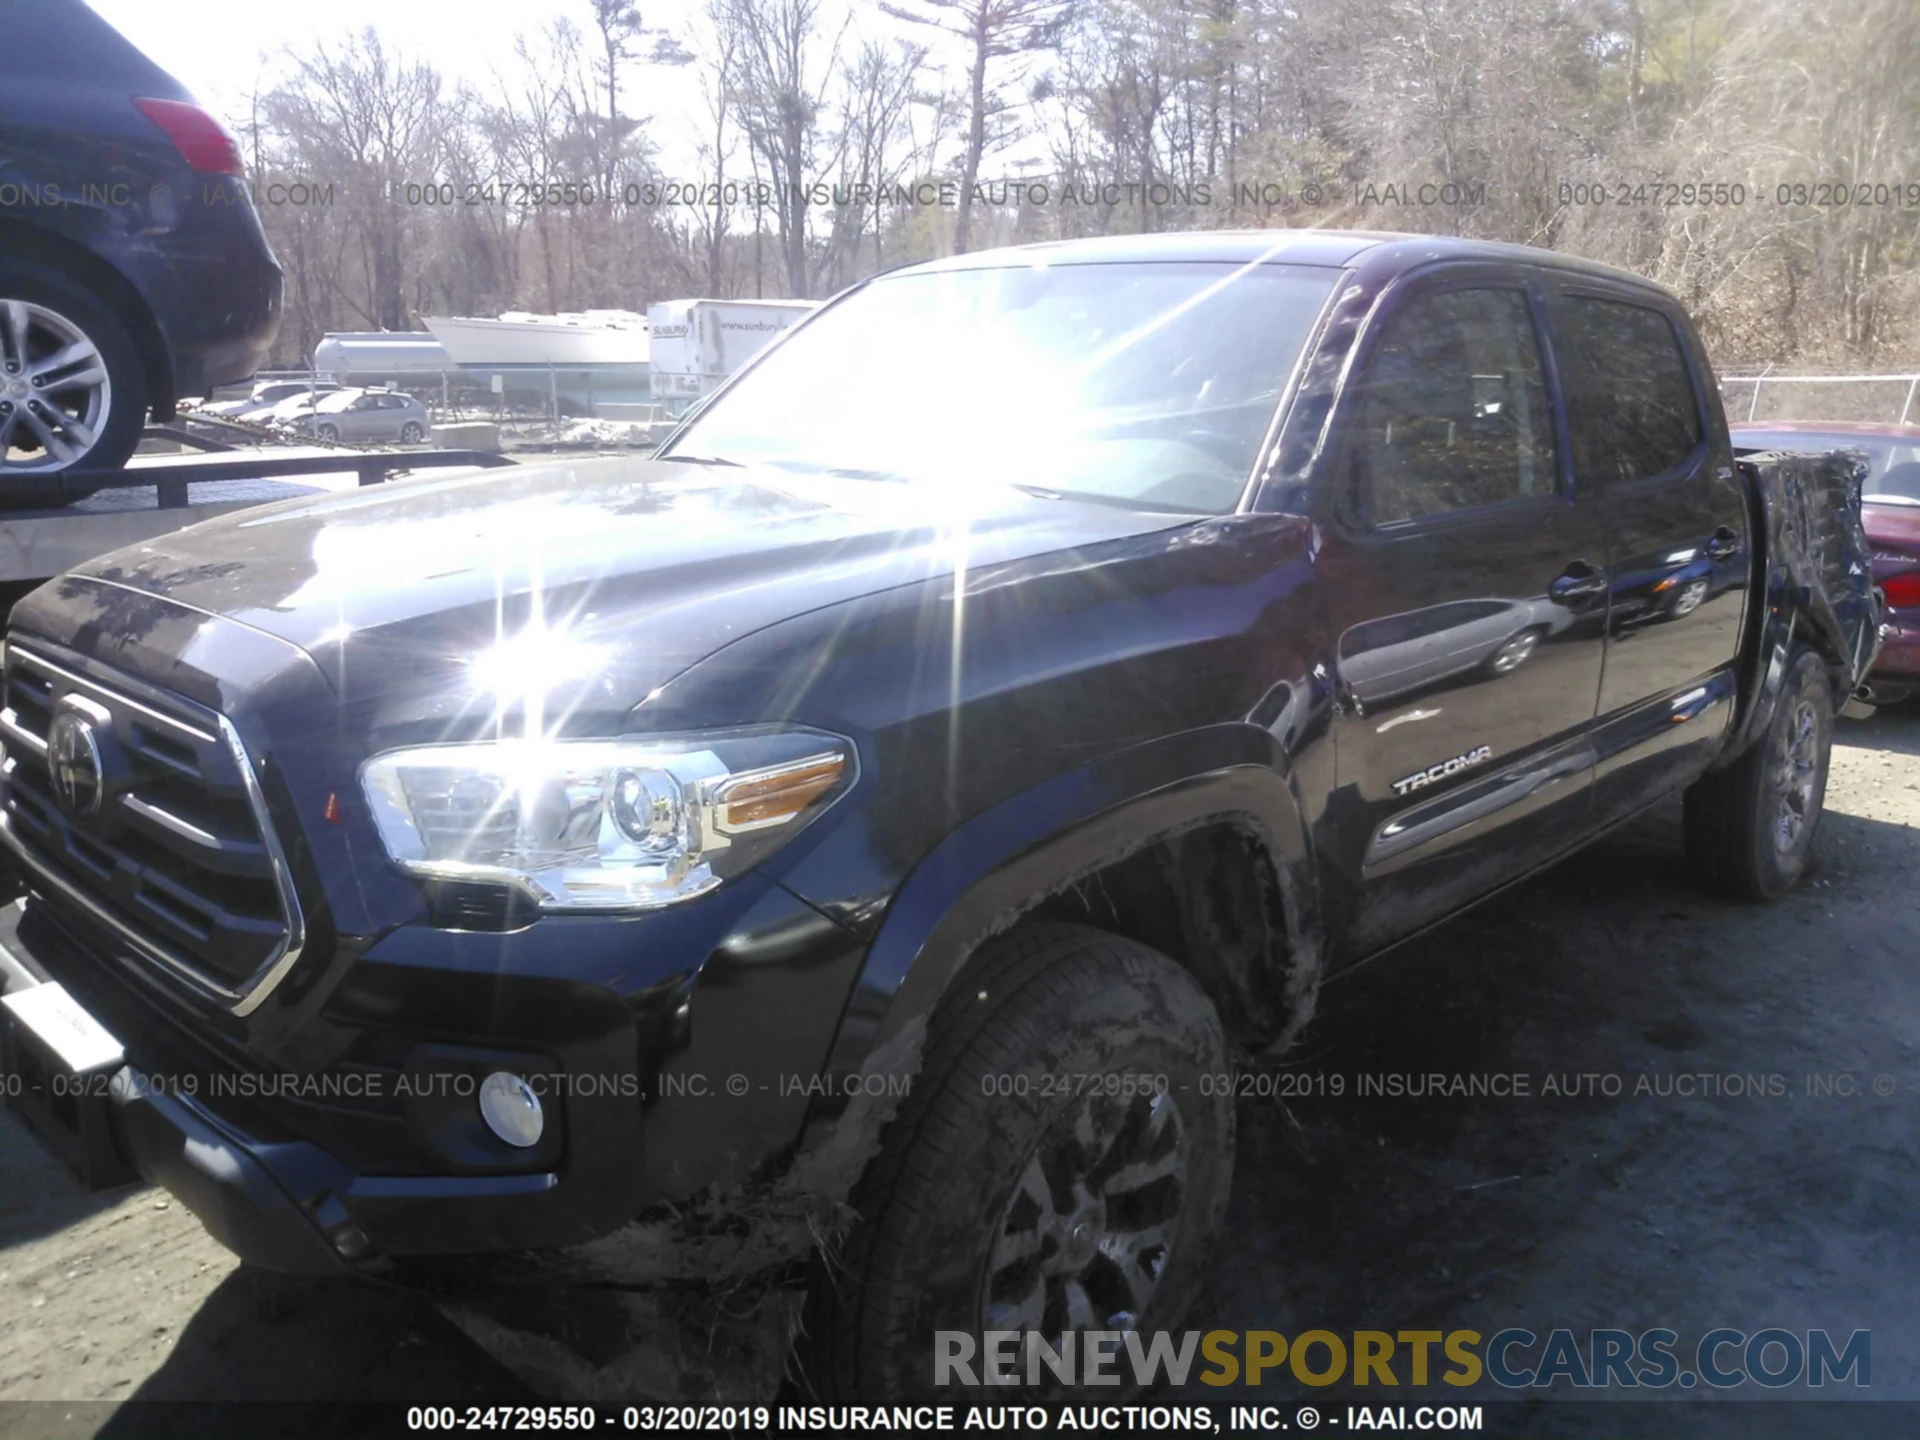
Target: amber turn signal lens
771 797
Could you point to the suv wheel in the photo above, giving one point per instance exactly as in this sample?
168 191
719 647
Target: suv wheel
73 394
1063 1162
1749 827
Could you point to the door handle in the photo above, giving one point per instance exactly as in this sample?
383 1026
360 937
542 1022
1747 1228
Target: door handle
1724 545
1579 582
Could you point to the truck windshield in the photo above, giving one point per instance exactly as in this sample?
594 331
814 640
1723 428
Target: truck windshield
1148 385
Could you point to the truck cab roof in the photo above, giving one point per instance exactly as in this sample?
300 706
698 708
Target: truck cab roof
1386 251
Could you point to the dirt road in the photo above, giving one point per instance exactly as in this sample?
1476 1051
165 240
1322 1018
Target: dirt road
1631 1209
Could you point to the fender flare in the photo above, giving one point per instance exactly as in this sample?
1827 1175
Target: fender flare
998 865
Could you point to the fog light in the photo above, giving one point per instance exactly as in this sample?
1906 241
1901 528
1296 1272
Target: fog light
511 1109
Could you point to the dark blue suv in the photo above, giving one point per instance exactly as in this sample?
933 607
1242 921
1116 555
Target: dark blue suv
133 269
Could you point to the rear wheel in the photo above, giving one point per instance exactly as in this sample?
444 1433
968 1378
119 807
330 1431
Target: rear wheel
1062 1163
411 433
1513 653
1749 827
73 393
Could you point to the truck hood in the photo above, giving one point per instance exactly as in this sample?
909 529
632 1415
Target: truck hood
614 575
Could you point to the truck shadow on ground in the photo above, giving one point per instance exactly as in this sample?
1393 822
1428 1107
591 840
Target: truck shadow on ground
1379 1191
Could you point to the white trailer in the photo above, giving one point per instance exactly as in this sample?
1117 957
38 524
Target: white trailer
697 344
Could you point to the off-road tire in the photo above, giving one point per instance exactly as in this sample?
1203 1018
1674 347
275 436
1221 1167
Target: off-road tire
118 431
1035 1011
1736 826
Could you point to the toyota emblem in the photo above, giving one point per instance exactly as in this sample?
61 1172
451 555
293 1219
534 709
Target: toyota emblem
73 755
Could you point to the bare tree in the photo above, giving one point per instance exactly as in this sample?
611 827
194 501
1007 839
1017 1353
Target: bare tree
372 120
871 148
994 31
779 97
1154 113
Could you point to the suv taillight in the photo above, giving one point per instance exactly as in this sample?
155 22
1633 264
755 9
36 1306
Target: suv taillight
203 142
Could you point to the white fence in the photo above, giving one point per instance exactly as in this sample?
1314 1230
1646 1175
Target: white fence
1821 397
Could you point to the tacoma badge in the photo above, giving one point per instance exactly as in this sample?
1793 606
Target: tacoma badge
1420 779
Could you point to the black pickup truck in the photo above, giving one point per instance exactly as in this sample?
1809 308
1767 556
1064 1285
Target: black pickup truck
883 821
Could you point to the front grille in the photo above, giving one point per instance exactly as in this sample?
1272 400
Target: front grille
172 846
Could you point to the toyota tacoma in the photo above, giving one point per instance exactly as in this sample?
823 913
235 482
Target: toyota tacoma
860 842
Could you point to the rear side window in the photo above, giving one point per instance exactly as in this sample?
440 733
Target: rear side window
1630 398
1453 411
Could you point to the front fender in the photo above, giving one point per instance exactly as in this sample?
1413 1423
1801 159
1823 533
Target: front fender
1001 863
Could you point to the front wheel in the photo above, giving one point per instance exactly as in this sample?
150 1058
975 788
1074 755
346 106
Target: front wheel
1062 1164
1688 599
72 388
328 433
1749 827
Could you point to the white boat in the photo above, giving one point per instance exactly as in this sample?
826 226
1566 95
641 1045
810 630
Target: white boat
518 338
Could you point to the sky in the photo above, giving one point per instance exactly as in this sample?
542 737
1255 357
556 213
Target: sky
223 49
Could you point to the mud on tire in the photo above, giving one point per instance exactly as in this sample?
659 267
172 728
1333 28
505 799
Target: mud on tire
1749 827
1007 1190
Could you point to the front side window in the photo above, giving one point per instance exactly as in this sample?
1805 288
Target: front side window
1629 395
1452 413
1148 385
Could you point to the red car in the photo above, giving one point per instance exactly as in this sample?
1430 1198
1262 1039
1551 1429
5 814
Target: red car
1892 514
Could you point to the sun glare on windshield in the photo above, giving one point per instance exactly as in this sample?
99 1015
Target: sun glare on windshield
1147 384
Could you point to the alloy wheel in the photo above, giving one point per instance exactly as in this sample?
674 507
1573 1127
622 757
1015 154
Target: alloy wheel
1512 655
1689 598
1794 778
1089 1229
55 395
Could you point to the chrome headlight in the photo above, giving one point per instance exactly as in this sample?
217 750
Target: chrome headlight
625 824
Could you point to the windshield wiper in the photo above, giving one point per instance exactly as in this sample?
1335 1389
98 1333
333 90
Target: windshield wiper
705 460
1095 497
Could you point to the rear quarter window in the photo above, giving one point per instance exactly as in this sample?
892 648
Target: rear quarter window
1631 399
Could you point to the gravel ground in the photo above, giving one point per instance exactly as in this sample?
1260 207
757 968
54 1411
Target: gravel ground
1578 1210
